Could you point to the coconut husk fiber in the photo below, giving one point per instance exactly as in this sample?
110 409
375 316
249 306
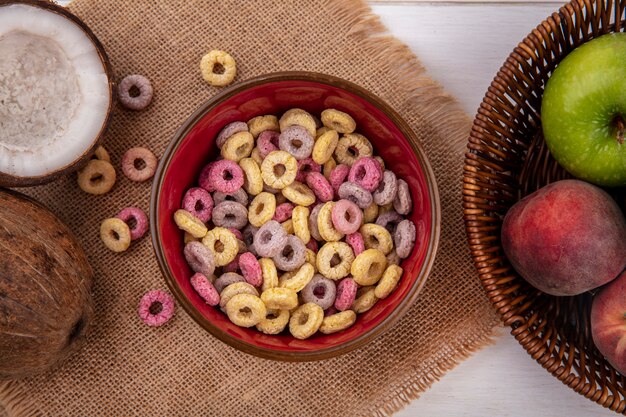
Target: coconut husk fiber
127 368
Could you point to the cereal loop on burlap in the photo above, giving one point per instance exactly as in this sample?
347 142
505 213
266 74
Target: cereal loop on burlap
218 68
139 164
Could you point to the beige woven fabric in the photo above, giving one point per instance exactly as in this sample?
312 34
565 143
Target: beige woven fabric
127 368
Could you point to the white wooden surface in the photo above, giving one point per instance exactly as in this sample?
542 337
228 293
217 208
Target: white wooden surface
462 45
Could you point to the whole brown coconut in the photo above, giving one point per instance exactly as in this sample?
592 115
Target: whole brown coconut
45 283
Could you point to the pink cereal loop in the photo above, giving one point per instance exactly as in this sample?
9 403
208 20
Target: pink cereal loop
312 244
346 216
226 176
236 232
338 176
283 212
267 142
366 172
346 293
156 308
139 164
356 242
203 178
198 202
306 166
232 266
140 226
320 186
250 269
205 289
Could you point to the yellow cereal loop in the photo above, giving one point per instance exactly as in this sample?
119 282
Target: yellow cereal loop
189 223
328 167
234 289
298 117
311 257
319 132
238 146
325 224
213 60
380 160
252 181
279 169
223 244
365 299
259 124
384 209
262 209
334 260
256 155
274 322
338 120
280 298
389 281
370 213
300 220
299 280
376 237
306 320
352 146
299 194
325 146
115 234
368 267
269 274
246 310
288 226
338 322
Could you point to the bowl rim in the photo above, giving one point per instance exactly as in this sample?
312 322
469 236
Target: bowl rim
435 207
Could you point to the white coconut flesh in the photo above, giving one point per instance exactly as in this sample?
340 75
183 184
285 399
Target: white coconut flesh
54 91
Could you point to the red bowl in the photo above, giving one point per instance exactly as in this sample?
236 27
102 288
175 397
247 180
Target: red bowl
192 147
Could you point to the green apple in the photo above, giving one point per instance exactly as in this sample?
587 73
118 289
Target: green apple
583 111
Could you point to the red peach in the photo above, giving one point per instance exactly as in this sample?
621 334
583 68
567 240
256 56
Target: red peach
566 238
608 322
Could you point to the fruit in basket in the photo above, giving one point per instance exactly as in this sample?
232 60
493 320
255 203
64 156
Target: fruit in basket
583 111
45 280
566 238
608 322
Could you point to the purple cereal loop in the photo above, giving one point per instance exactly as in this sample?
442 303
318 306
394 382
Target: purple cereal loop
306 166
346 293
132 158
291 255
321 291
198 202
283 212
240 196
403 203
387 188
355 193
229 130
320 186
203 179
404 238
365 172
226 279
356 242
205 289
393 258
267 142
315 231
269 239
156 308
330 311
200 258
142 84
291 136
346 216
226 176
230 214
248 233
338 176
389 220
250 269
140 226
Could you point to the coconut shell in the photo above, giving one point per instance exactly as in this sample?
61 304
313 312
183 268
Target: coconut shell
45 284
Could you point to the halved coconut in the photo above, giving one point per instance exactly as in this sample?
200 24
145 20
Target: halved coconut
56 92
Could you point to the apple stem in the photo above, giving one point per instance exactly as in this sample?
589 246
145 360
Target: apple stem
621 126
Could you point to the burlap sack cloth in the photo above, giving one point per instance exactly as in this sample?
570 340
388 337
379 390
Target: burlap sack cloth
127 368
